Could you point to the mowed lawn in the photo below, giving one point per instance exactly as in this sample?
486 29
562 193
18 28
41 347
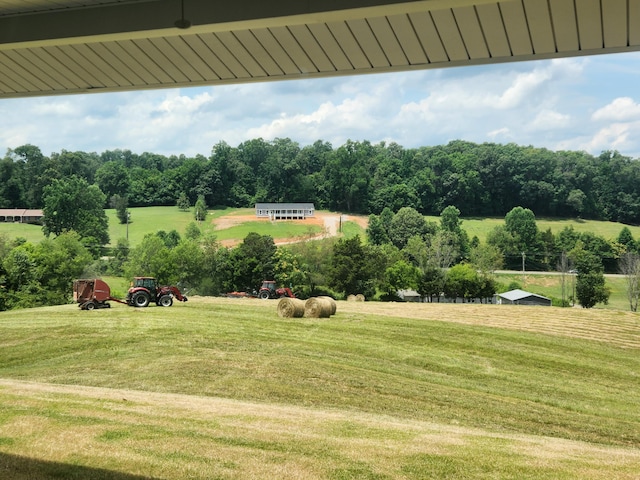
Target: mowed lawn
224 388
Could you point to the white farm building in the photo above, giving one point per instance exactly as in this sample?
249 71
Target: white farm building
285 211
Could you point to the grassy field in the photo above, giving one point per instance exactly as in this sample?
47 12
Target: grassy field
33 233
225 389
550 285
351 229
151 219
610 230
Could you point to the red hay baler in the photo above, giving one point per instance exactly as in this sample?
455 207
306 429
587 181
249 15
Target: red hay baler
92 293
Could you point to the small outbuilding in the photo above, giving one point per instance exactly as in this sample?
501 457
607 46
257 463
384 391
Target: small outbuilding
520 297
285 211
409 295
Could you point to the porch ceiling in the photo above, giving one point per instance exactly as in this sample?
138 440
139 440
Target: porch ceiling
52 47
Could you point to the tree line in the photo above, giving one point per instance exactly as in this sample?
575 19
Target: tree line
358 177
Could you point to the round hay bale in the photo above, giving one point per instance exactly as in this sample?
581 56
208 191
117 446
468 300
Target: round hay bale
317 308
359 297
290 308
351 298
334 306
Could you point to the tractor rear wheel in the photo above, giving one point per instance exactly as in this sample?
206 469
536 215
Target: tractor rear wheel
264 295
141 299
89 306
165 301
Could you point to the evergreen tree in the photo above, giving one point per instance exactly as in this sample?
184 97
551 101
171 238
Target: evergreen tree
183 202
200 210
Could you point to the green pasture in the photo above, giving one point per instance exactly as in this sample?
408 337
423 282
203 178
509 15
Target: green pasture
480 227
32 233
146 220
351 229
219 212
550 285
226 389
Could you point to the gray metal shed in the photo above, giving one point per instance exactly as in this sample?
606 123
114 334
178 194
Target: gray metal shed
520 297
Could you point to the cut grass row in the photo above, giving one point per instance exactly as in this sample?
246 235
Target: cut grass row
131 435
224 388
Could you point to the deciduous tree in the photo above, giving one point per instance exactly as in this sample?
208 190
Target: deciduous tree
400 276
521 223
253 261
630 267
406 223
351 271
73 204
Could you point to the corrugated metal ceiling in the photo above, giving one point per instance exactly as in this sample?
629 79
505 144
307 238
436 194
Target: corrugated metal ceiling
68 46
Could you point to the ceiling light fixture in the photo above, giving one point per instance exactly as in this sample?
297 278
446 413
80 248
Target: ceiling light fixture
182 23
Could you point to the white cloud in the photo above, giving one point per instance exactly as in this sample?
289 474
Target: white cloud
549 120
613 137
550 104
55 107
491 95
522 87
623 108
334 122
503 132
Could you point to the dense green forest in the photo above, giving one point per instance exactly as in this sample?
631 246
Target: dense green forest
358 177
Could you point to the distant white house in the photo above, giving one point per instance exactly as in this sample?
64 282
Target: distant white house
285 211
520 297
20 215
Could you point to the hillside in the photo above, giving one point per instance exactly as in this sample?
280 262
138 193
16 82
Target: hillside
230 225
224 388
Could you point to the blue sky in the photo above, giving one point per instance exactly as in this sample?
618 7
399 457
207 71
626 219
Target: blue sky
584 103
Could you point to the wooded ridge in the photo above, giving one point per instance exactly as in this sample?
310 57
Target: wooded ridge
358 177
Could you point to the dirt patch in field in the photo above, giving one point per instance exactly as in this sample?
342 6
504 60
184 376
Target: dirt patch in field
328 221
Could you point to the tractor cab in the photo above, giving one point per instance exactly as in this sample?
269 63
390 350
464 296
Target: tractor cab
146 289
148 283
269 290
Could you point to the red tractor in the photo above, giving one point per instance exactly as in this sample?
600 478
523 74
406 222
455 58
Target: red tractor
269 290
145 289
